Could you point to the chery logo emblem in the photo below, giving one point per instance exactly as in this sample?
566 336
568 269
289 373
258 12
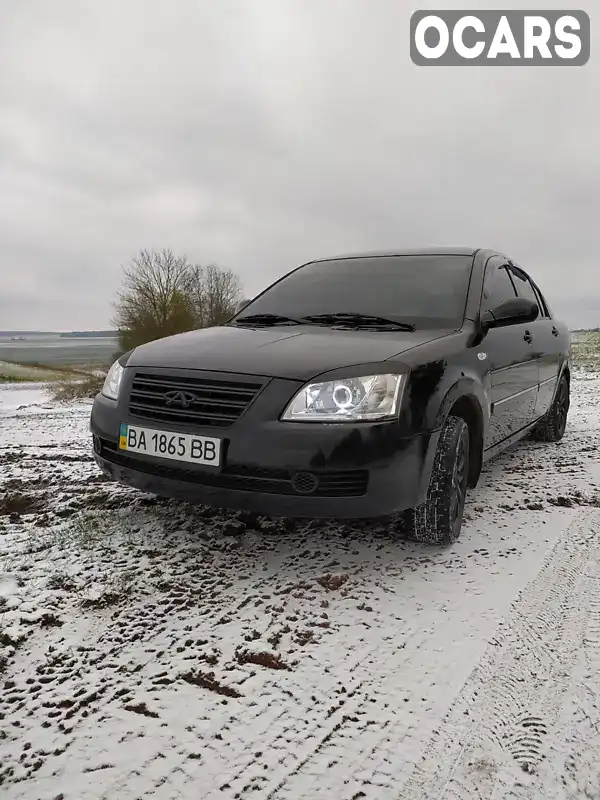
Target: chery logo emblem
183 399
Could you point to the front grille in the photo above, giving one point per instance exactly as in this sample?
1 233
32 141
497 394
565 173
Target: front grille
327 483
210 403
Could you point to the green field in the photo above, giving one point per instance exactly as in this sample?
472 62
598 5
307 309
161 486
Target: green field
54 351
53 358
19 373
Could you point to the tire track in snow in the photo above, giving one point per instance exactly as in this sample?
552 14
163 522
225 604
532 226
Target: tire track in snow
498 733
571 769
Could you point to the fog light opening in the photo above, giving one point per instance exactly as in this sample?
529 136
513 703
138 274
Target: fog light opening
305 482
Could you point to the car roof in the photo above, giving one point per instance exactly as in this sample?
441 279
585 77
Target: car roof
407 251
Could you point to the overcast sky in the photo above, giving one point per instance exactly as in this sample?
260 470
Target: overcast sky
257 134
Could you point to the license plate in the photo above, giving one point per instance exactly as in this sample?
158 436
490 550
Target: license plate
175 446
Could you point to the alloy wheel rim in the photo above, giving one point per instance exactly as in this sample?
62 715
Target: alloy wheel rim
562 406
458 487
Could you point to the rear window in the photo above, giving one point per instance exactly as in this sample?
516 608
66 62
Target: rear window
428 291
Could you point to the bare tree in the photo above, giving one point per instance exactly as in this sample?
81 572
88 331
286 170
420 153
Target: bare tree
154 299
163 294
215 294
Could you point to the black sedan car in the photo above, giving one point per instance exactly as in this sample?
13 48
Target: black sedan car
358 386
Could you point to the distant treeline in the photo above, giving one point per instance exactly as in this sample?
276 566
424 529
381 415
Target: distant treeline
69 335
25 333
89 334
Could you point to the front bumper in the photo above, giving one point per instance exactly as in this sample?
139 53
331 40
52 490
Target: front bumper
363 470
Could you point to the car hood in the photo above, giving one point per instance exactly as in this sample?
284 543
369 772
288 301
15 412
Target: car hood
298 353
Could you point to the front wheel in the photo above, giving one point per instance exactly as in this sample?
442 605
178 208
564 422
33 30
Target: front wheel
551 428
439 519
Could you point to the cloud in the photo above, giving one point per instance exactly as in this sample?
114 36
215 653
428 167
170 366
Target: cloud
258 135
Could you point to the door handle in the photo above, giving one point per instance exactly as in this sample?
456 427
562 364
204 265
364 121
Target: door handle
528 337
554 331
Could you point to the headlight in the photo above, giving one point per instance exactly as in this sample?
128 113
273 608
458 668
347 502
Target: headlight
112 383
366 399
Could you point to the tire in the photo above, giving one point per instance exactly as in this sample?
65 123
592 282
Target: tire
551 428
439 519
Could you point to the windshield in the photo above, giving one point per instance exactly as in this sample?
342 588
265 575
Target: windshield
427 291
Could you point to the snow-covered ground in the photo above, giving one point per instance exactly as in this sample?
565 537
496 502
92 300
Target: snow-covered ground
19 372
151 650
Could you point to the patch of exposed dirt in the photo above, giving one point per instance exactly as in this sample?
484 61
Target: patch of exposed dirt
19 503
141 708
104 600
576 498
304 637
61 582
8 640
332 582
207 680
261 659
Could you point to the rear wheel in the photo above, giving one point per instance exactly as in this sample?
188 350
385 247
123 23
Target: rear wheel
551 428
439 519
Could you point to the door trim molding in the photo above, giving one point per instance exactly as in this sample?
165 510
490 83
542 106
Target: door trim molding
517 394
513 366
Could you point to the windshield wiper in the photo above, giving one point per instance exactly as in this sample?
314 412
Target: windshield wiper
346 319
266 320
356 320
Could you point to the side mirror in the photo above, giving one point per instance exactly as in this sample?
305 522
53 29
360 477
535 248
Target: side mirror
510 312
240 305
